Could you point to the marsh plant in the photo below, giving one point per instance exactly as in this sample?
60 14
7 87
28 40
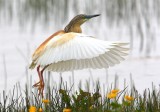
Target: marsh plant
62 99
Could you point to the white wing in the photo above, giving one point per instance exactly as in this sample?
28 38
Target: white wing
82 52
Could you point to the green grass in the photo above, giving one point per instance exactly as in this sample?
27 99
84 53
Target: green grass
80 100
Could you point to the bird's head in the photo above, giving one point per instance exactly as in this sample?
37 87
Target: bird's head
77 21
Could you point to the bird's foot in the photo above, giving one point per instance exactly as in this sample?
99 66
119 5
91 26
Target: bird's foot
40 86
36 84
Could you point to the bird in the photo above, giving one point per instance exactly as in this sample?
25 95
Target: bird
69 49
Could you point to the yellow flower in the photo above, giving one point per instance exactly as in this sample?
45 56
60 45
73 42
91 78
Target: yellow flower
45 101
111 95
115 91
32 109
129 98
40 110
91 107
66 110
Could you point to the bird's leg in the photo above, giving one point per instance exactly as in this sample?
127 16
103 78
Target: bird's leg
38 71
41 86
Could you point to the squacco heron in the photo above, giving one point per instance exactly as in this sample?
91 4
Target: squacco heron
69 49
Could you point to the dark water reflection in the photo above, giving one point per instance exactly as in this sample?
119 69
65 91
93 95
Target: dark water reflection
140 16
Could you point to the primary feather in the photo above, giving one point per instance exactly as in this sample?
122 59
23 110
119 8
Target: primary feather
74 51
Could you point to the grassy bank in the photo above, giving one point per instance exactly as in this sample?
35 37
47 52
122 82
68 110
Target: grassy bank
62 98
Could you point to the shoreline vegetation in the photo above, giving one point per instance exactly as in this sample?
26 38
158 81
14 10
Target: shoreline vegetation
63 98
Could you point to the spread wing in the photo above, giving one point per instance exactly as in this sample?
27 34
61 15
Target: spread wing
73 51
40 50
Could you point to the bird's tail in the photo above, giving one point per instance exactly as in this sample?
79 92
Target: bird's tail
32 65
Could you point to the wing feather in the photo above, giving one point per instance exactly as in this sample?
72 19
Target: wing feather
81 51
121 53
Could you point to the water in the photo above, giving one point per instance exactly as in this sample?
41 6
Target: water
24 24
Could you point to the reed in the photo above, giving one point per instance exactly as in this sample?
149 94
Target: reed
64 96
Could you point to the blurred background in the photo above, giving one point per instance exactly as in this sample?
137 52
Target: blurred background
24 24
